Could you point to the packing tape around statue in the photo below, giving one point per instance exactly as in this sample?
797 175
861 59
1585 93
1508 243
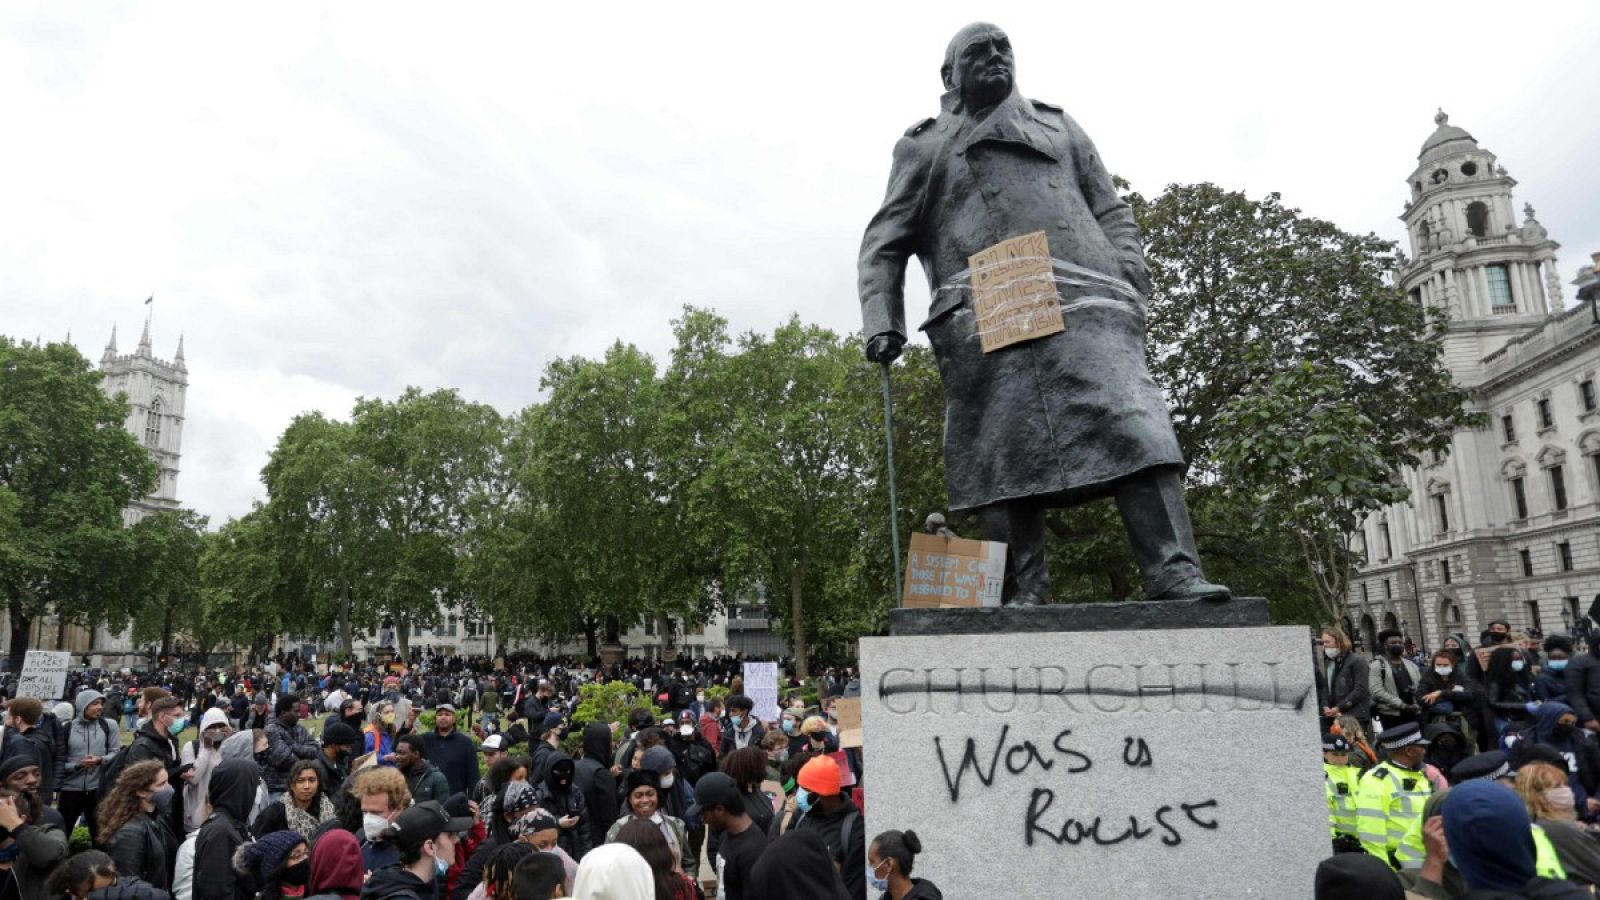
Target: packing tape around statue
1021 298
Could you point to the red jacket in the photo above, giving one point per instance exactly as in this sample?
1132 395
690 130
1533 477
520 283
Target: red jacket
711 730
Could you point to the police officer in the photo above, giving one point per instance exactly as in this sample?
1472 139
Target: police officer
1391 796
1342 781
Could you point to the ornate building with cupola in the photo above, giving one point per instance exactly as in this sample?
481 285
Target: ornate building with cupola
1503 525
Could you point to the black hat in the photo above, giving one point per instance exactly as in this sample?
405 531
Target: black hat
638 778
424 822
1402 736
1482 765
1333 743
16 763
716 789
338 734
1525 752
457 806
552 721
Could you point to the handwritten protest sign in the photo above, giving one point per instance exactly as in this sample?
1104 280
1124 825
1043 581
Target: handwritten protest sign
1014 292
951 571
849 713
44 674
761 686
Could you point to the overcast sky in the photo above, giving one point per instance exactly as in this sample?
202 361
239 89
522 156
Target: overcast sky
338 200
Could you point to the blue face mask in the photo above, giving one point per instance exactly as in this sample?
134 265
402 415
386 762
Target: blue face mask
1557 665
177 726
1517 665
804 801
736 721
788 726
873 881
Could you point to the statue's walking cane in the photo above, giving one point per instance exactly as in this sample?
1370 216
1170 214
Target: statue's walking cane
894 506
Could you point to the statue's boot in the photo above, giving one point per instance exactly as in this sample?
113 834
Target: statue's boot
1162 539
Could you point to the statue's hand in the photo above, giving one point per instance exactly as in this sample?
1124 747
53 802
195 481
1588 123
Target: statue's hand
884 348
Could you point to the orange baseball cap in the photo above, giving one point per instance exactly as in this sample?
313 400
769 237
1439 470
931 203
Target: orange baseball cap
821 776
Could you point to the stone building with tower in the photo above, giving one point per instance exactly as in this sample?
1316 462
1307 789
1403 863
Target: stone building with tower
1504 524
155 389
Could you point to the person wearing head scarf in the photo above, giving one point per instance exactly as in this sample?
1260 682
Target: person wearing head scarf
1491 842
614 872
337 871
512 801
796 866
232 793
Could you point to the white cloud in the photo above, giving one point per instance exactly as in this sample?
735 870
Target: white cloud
337 201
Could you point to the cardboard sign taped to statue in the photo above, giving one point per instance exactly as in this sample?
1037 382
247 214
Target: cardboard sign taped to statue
950 571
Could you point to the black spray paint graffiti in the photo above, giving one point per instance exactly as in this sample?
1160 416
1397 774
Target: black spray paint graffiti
1103 688
1016 758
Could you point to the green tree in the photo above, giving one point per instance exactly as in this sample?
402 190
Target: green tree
167 550
67 470
788 470
319 527
1318 464
244 576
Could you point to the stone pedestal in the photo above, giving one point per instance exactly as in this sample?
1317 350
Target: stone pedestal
1165 758
611 654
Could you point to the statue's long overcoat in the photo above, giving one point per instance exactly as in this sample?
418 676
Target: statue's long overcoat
1057 418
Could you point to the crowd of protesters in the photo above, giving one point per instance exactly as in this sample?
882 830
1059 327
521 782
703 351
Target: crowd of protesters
1469 772
446 778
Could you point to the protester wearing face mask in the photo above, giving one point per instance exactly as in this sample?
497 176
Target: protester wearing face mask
822 806
1392 680
158 740
818 737
1551 683
203 753
1444 693
231 792
561 799
889 863
1549 800
278 861
1509 687
382 793
138 838
742 729
642 800
1342 680
339 743
382 729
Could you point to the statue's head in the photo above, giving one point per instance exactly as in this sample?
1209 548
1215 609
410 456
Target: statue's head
978 65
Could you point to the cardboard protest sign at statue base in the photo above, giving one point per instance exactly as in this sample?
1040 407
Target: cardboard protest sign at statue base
943 570
1093 757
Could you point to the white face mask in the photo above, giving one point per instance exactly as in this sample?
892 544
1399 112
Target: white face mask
1517 665
686 730
1330 652
373 825
668 779
1444 670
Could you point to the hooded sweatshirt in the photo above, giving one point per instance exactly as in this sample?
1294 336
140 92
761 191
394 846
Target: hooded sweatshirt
396 883
796 866
595 781
560 796
336 865
204 760
1583 760
86 737
232 793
